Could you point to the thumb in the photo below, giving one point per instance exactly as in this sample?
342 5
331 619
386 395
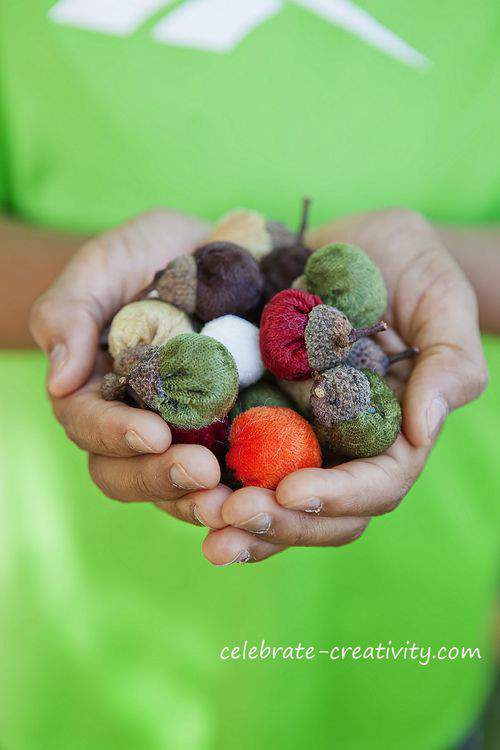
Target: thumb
103 276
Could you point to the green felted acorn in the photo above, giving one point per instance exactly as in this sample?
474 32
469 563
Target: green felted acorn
346 278
260 394
191 381
355 412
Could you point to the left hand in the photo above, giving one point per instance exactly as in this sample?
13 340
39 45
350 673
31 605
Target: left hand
431 306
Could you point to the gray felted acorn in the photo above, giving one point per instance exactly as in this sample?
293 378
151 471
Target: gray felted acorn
356 414
219 278
367 354
191 381
253 231
344 276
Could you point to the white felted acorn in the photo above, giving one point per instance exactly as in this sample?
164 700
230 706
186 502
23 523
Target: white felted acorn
146 322
241 339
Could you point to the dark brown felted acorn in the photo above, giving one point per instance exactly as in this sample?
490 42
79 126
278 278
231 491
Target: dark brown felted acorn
220 278
252 231
286 261
367 354
355 412
299 335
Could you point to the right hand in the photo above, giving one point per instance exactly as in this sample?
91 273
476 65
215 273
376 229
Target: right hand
130 458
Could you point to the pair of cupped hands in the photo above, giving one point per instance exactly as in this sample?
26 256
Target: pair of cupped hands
131 459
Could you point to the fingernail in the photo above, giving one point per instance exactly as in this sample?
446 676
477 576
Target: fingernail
312 505
58 357
137 443
436 414
181 479
258 524
242 557
196 514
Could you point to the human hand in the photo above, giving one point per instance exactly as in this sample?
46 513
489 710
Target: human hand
130 457
431 306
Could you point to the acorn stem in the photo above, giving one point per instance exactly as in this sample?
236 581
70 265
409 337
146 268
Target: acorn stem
358 333
306 204
412 351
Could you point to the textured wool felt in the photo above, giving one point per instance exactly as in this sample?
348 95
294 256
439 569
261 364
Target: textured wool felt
327 337
339 394
366 353
214 436
178 283
129 358
282 329
146 322
300 393
281 236
260 394
191 381
282 266
247 229
241 339
229 281
269 442
345 277
370 432
113 387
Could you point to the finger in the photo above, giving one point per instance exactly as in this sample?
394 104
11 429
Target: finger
451 369
229 546
105 274
255 510
363 487
110 428
202 508
180 470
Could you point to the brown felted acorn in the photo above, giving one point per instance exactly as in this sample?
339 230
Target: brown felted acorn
252 231
286 261
367 354
218 279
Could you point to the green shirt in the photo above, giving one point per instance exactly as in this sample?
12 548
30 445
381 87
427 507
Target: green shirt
113 622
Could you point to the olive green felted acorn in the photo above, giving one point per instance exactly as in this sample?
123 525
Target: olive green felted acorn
300 393
366 353
191 381
146 322
252 231
345 277
260 394
218 279
356 414
286 261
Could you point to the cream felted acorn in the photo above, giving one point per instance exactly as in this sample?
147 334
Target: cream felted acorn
241 339
253 231
146 322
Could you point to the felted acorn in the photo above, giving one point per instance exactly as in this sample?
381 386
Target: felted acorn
269 442
213 436
355 412
300 335
252 231
260 394
345 277
146 322
219 278
241 339
191 381
367 354
300 393
286 262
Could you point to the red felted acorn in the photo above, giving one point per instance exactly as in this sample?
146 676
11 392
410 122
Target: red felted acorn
214 436
299 335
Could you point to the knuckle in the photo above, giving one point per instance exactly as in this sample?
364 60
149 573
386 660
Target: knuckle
146 485
98 475
39 316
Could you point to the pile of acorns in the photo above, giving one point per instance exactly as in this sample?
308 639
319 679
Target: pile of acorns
190 350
